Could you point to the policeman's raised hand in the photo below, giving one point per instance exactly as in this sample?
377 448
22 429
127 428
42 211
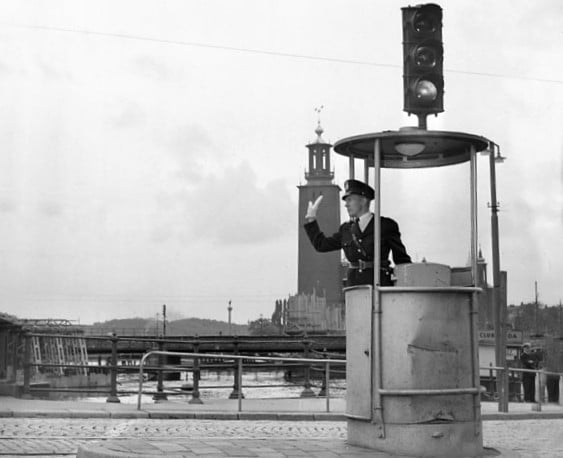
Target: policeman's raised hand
313 207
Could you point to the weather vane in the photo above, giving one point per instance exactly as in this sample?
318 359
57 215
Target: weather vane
318 111
319 130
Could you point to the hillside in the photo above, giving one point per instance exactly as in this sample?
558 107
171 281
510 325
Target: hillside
183 327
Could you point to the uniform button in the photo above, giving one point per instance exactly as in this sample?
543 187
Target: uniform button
359 251
359 240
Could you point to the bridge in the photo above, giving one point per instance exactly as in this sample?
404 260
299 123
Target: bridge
217 344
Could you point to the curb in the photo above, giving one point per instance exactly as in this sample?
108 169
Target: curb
213 415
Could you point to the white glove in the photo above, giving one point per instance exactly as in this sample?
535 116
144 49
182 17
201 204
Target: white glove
313 207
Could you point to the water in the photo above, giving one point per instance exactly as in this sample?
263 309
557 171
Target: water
269 389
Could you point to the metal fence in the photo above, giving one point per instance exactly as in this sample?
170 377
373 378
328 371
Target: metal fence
32 367
240 360
503 374
235 362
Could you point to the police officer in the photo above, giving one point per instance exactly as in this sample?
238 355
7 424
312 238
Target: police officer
356 237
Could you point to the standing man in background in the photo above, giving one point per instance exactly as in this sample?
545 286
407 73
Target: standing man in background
529 361
356 237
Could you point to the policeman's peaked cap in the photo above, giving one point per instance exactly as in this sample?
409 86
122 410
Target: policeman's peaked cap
359 188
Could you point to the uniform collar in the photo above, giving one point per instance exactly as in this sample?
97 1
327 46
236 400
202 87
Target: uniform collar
364 220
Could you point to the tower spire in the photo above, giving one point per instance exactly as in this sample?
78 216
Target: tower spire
319 130
319 156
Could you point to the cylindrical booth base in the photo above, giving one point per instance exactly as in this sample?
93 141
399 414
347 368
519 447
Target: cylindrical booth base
431 440
412 371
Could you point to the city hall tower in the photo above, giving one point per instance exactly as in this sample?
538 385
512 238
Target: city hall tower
320 272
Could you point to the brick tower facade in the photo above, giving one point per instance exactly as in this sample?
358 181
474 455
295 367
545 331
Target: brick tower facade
321 272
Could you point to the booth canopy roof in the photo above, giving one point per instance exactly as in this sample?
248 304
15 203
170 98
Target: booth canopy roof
413 147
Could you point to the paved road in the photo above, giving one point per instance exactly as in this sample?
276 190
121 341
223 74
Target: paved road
62 437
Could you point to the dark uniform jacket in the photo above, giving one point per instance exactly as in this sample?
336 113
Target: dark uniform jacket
361 248
529 361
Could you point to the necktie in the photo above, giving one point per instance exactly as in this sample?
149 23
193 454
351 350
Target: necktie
355 225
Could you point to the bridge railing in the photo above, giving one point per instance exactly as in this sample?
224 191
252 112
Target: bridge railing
540 385
240 366
25 363
36 370
47 354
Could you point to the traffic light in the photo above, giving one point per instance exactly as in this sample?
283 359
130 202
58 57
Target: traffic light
423 55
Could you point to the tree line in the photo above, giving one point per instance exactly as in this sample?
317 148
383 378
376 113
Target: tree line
536 318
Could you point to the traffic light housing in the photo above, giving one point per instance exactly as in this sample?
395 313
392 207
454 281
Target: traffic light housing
423 55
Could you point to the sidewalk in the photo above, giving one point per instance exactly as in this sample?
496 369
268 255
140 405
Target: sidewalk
301 409
270 428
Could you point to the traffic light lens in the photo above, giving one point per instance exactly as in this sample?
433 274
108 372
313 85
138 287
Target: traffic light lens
423 23
425 57
425 91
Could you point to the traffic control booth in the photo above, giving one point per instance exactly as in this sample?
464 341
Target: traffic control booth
412 349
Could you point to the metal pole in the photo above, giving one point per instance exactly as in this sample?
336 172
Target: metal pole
196 374
352 171
504 398
26 366
474 238
113 371
307 391
377 376
327 380
422 121
538 393
160 395
500 329
536 308
474 312
141 377
377 212
366 171
239 383
230 309
236 382
164 320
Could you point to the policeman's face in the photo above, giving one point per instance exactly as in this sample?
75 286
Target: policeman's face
356 205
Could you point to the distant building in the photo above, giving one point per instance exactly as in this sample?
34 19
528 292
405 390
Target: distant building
485 299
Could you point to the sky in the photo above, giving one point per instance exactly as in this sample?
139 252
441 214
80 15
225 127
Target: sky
151 150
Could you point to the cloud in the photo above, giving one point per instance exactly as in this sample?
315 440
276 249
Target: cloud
7 206
4 68
127 114
193 150
50 209
189 142
54 68
230 208
151 68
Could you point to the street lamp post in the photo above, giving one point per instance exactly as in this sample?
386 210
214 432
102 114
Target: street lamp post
499 306
230 309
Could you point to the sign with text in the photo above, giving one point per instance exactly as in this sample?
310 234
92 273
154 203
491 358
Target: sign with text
512 337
